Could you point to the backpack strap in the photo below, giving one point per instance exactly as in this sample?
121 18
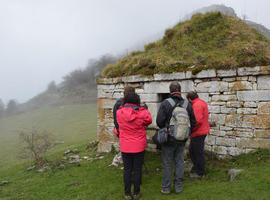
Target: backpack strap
171 101
185 104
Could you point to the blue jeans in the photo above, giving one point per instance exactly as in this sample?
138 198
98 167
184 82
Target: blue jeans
172 154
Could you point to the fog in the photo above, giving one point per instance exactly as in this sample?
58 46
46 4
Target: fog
41 41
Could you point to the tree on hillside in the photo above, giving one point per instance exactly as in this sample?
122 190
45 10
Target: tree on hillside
12 107
52 87
88 75
2 108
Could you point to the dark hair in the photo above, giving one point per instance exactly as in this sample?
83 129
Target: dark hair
175 87
132 98
192 95
128 89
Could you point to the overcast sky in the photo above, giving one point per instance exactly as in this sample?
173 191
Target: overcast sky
43 40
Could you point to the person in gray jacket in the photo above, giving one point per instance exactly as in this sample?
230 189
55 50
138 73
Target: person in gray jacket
172 152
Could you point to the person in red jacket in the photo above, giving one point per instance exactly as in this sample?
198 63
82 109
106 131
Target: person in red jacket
132 120
198 134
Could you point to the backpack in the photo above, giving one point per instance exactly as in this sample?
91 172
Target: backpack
179 122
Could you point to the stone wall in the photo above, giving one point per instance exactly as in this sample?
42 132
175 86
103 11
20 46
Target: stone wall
238 99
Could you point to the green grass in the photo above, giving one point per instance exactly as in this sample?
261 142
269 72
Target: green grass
76 125
96 180
206 41
73 124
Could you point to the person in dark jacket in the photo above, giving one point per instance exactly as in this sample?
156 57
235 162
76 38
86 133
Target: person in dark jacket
198 134
133 120
119 103
173 150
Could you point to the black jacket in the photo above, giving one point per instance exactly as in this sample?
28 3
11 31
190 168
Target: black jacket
165 113
117 105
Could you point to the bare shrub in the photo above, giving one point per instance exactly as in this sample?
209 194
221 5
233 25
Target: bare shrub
35 145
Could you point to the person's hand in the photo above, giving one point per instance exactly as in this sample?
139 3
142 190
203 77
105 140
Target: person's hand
144 105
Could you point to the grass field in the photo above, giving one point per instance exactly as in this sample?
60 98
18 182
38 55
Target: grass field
96 180
72 124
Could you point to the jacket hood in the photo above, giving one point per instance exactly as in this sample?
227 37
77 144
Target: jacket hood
129 113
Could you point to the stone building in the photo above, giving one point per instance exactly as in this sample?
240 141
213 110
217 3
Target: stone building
239 105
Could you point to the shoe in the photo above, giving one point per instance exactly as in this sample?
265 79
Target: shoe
128 197
137 196
165 191
178 190
195 176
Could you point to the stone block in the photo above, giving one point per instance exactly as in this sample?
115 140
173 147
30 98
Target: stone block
187 85
250 104
172 76
234 104
226 128
149 97
217 132
244 71
153 109
253 143
223 141
212 86
243 132
252 78
264 82
220 150
137 78
214 109
233 120
226 110
226 73
223 97
262 133
210 140
218 119
246 111
264 108
158 87
256 121
234 151
254 86
229 79
240 85
206 74
242 78
217 103
257 95
204 96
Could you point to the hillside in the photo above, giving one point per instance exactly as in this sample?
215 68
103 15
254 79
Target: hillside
210 40
71 124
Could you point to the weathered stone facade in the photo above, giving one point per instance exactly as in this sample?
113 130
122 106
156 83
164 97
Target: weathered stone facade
238 99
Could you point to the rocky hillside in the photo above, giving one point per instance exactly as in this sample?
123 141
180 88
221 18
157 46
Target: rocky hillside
210 40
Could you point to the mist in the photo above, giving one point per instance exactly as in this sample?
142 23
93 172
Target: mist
42 41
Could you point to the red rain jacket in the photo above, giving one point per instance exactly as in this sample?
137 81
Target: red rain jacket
202 126
132 128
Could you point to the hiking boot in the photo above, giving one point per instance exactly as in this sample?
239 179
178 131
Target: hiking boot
137 196
163 191
128 197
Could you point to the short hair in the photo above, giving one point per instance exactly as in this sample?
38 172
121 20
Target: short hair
128 89
133 98
192 95
175 87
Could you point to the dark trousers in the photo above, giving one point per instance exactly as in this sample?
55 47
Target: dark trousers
133 163
196 152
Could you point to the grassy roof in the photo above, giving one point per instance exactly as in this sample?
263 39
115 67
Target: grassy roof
206 41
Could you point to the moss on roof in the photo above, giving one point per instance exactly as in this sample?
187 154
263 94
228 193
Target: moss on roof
206 41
